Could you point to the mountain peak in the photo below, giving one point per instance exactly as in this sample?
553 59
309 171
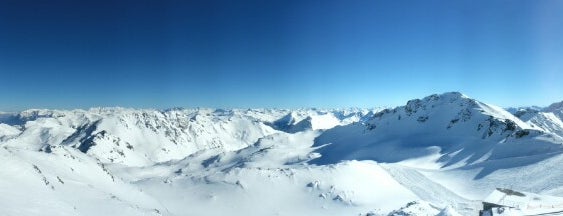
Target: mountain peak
554 107
453 94
450 122
440 98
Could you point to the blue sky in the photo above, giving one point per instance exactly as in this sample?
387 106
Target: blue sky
290 53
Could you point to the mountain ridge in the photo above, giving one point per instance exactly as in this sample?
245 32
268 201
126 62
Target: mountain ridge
445 117
438 154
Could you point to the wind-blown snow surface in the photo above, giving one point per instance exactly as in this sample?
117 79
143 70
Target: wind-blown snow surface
438 155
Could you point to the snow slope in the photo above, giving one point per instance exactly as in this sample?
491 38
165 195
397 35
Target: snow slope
133 161
440 155
461 147
66 182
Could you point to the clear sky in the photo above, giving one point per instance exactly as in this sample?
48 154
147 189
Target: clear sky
286 53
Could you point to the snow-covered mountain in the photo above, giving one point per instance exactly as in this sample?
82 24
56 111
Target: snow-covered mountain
439 155
458 129
549 119
143 137
463 145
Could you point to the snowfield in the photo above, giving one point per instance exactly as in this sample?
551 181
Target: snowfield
439 155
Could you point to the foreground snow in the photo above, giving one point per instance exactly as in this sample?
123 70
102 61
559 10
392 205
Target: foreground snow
440 155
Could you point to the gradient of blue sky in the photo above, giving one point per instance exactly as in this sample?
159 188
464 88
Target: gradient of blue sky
290 53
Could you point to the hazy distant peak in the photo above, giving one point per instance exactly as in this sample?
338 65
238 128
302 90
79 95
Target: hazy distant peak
558 106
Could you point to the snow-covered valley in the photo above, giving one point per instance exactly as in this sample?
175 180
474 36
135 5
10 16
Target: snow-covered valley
439 155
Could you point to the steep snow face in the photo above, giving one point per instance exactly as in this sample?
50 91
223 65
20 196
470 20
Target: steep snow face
549 119
556 108
548 122
449 129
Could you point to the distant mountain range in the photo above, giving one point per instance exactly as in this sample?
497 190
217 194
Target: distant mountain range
439 155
